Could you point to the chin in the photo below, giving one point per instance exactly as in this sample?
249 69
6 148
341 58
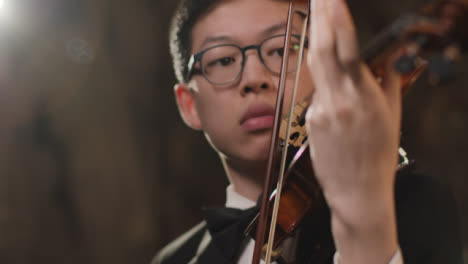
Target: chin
258 153
252 153
253 150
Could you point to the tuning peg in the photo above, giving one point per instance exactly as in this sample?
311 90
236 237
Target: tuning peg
406 64
409 61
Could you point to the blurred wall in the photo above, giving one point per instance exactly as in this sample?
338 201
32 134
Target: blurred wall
95 164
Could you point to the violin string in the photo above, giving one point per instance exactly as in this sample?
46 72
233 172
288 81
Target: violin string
284 152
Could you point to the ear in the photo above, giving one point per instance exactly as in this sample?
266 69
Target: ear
186 105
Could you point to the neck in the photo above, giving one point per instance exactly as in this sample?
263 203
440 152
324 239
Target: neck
247 179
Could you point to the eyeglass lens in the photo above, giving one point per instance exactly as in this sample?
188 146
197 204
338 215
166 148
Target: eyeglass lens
223 64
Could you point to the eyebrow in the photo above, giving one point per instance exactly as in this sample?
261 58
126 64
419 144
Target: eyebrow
224 38
275 28
211 39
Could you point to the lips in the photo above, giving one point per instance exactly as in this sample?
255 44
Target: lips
258 116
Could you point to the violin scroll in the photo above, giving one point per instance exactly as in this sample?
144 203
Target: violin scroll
432 39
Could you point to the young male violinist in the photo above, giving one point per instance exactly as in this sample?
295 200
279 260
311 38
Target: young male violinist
225 55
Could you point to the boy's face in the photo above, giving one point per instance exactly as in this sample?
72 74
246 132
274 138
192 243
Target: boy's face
237 118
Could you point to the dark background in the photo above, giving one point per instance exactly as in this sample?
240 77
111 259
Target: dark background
95 164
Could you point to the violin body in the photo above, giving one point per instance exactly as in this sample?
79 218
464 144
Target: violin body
301 194
438 30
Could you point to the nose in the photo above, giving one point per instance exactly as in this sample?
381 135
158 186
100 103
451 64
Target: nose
256 77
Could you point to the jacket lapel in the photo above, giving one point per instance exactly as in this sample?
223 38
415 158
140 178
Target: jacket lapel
208 253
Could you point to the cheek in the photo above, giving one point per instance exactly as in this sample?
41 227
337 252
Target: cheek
306 84
220 132
217 119
304 90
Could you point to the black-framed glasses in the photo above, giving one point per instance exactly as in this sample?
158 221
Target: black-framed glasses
223 64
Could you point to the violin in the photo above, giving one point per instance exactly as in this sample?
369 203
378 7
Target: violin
430 40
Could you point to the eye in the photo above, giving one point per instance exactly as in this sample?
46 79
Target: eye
225 61
293 49
276 52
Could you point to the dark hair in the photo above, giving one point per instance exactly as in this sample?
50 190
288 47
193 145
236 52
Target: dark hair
180 38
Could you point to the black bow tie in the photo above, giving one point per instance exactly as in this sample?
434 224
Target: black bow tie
227 225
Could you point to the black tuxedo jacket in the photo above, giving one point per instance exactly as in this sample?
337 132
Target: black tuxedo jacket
428 231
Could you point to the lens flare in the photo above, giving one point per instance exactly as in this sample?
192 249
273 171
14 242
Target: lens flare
6 15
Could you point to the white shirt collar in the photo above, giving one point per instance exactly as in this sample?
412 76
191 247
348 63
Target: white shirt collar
235 200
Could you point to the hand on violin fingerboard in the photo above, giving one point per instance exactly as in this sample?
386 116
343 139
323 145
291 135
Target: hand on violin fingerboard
353 127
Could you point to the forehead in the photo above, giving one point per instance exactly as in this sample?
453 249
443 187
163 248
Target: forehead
241 22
